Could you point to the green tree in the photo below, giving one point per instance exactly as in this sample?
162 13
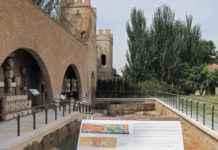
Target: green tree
137 55
50 7
168 51
165 41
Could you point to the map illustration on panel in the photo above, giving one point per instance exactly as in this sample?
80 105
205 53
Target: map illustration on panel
105 128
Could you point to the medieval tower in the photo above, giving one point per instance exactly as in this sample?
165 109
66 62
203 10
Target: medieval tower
79 18
104 42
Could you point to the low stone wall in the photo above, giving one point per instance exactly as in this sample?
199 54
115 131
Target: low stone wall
130 108
13 104
196 136
57 137
50 136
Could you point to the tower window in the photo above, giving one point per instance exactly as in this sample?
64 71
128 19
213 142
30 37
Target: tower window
103 60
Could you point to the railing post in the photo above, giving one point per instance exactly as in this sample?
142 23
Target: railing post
197 103
18 125
182 105
213 109
191 108
171 100
79 107
34 120
63 110
69 107
89 110
46 115
56 113
74 105
179 104
167 99
86 108
204 106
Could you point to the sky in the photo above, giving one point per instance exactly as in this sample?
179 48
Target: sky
114 14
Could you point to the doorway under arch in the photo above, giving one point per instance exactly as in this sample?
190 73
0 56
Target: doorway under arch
71 87
23 70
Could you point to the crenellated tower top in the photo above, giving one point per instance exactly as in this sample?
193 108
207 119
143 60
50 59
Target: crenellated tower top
104 34
73 3
82 2
79 17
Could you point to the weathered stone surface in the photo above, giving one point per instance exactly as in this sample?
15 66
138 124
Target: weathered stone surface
56 138
129 108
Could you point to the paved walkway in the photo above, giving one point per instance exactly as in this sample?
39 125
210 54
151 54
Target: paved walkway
8 129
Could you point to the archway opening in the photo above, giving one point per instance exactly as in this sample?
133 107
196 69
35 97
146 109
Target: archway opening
24 73
71 83
103 60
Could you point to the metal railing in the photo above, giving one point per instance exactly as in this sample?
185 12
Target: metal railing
63 107
204 112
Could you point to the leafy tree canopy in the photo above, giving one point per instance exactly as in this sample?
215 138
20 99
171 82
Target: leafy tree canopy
167 50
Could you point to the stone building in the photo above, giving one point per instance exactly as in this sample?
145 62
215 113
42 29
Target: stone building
104 44
53 58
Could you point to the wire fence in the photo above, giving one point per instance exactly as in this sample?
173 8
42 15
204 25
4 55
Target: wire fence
202 111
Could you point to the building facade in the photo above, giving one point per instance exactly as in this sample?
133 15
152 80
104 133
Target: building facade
39 54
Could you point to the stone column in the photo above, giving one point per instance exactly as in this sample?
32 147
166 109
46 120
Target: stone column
24 79
9 75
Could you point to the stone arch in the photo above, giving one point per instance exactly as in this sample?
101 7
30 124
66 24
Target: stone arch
26 70
71 86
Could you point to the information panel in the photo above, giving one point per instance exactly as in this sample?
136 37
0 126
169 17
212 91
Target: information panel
130 135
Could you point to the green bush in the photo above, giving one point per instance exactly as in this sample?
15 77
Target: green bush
155 85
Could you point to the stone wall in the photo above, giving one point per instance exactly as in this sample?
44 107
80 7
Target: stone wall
53 140
24 26
130 108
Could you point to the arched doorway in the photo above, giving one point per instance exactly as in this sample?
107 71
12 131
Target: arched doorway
71 87
24 71
93 88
